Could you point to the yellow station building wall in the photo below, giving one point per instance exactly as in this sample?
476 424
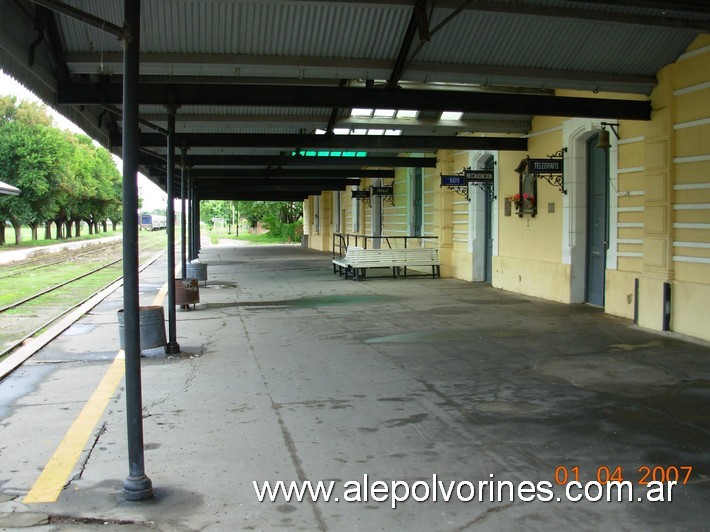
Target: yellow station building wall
659 210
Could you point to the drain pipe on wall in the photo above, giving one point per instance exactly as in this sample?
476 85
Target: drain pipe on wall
636 301
666 306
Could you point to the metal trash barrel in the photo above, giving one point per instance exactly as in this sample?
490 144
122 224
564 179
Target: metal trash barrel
187 292
197 270
151 322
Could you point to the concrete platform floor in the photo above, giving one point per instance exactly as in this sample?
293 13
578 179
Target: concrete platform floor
292 373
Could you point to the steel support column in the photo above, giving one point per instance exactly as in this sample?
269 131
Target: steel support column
172 346
191 226
137 486
183 217
198 236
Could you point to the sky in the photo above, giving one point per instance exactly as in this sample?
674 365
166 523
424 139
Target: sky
153 197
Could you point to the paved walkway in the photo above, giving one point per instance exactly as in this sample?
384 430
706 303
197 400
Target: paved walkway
291 373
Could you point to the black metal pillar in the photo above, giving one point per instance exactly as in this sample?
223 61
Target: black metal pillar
172 346
183 212
191 232
137 485
198 239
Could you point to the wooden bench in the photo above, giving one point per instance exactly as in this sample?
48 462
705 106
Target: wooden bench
357 260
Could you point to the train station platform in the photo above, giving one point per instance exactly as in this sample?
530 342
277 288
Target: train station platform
432 388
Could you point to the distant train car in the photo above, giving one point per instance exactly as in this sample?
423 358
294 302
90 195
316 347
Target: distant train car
152 222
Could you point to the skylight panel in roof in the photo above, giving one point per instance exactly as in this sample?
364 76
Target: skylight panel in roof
393 132
359 132
341 131
375 132
404 113
451 115
384 113
361 112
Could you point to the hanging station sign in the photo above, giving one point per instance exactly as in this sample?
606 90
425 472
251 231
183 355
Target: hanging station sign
482 179
361 194
383 191
550 169
453 181
546 166
478 176
386 192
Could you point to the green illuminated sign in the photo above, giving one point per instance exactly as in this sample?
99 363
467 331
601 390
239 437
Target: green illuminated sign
326 153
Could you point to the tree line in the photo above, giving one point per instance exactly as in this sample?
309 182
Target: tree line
63 177
282 218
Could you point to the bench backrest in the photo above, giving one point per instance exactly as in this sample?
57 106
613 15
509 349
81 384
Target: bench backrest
393 257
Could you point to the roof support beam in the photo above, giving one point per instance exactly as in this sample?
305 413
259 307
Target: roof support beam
196 161
417 71
278 185
312 121
290 161
348 97
82 16
250 195
660 20
690 6
363 142
418 20
290 173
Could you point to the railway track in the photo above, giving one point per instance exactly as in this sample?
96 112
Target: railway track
26 311
45 261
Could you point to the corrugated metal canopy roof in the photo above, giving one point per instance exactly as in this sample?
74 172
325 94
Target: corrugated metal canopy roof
262 59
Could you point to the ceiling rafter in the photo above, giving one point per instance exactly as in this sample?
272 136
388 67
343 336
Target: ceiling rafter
289 173
86 63
251 195
74 93
365 142
239 120
196 161
661 17
282 185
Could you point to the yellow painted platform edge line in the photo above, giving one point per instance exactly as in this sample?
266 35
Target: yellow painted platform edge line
54 476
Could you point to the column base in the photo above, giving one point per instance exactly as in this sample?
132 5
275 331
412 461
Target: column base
137 488
172 348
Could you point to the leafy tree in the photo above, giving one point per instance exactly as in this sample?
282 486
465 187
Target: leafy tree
32 158
64 178
283 218
211 209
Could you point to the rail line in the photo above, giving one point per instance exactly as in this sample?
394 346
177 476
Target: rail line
61 256
54 302
31 334
55 287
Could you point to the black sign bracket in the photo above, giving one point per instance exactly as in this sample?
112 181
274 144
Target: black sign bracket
456 182
553 172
